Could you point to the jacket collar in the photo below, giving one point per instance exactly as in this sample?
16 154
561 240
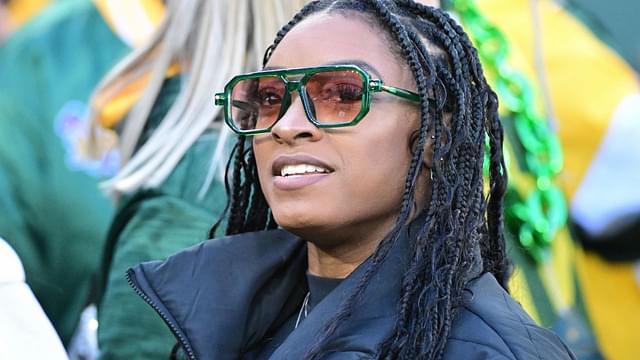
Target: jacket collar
221 298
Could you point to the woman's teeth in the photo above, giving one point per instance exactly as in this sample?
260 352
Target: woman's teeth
301 169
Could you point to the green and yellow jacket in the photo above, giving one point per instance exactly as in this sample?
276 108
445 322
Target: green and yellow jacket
51 210
593 93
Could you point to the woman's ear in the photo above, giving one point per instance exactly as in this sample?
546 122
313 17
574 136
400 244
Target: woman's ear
423 185
430 144
427 158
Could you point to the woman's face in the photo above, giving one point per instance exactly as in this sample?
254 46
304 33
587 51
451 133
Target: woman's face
358 193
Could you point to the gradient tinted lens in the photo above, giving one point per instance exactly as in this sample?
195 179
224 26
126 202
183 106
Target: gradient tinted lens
336 96
255 103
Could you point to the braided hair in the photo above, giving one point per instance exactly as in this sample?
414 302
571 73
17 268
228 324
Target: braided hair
462 229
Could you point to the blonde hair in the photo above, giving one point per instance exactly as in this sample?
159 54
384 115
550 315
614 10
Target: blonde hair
211 40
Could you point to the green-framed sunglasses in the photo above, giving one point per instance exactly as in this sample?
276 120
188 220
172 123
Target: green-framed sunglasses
332 96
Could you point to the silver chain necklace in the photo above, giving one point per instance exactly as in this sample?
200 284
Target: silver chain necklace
303 310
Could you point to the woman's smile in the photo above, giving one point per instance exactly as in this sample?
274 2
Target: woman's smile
293 172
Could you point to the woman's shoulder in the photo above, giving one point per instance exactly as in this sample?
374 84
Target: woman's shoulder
253 249
210 295
491 324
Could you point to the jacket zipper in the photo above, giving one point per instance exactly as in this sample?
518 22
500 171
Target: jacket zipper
172 326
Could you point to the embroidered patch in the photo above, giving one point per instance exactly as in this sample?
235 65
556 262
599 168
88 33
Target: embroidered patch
71 125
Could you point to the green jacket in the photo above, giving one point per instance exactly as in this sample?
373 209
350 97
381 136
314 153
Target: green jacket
51 211
151 225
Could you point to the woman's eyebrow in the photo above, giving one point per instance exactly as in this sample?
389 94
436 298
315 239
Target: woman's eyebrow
363 64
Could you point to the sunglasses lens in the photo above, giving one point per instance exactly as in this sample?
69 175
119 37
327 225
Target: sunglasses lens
336 96
256 103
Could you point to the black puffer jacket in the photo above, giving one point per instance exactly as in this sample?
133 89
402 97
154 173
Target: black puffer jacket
225 297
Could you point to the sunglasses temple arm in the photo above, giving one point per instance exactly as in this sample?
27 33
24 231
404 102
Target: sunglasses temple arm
377 85
405 94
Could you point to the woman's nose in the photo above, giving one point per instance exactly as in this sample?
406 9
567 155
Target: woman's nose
294 125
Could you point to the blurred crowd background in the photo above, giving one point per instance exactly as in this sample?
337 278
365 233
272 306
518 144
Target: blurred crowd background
111 153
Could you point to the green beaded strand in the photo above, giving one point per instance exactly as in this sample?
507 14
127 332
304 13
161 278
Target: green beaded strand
537 216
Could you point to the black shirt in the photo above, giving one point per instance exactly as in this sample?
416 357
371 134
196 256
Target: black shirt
318 287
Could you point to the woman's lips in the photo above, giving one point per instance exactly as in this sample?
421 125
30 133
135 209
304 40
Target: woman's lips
298 159
292 172
295 182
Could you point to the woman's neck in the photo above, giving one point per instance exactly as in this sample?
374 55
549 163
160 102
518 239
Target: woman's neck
336 264
340 257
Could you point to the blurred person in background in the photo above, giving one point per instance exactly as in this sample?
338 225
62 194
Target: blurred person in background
53 214
543 277
25 330
591 96
169 189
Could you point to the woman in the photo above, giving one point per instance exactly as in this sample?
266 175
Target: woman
367 151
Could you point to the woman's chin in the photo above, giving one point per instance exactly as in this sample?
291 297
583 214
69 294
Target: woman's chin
299 216
307 229
298 227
